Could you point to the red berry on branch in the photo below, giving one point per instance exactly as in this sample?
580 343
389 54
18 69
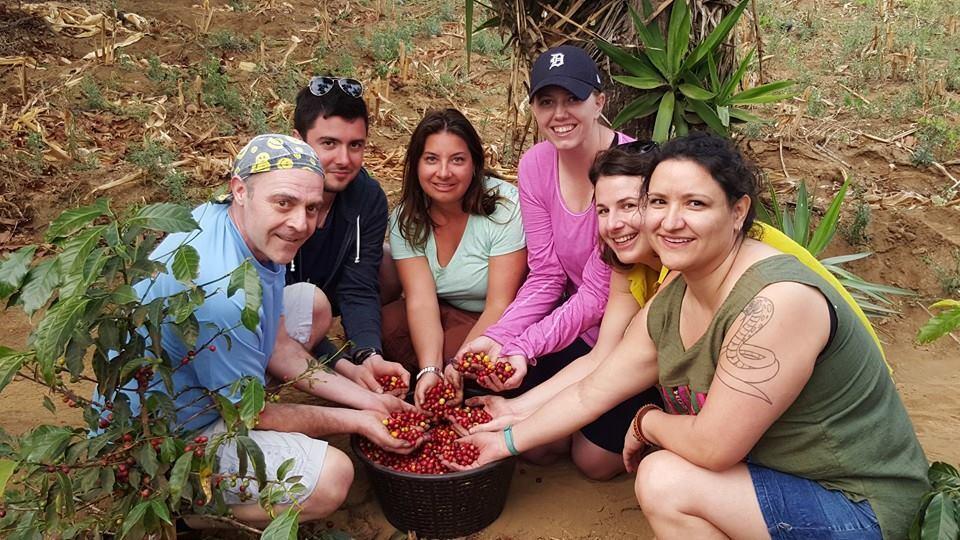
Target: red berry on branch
213 348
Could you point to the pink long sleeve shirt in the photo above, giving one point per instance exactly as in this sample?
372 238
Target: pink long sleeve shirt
564 257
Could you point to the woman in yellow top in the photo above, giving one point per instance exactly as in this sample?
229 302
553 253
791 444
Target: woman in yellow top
636 277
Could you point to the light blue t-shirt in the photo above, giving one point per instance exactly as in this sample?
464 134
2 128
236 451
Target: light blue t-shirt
463 282
221 250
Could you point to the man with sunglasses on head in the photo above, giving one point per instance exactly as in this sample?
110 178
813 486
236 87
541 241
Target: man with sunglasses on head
343 257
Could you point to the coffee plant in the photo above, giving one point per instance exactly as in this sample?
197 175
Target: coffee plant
123 473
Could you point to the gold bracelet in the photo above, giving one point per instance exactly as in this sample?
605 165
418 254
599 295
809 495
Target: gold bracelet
638 422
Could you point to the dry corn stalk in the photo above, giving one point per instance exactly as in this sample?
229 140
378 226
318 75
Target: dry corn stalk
203 21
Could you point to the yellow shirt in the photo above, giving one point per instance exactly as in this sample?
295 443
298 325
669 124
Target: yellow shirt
642 285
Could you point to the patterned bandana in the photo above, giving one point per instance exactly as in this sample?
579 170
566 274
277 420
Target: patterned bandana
273 152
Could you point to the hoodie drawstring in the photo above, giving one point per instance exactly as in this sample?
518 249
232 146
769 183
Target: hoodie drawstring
356 259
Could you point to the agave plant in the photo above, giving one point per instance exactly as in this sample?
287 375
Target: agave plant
873 298
683 85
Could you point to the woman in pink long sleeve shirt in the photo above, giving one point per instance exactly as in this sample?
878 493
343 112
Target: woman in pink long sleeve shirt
556 315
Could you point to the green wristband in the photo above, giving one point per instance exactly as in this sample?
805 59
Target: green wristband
508 438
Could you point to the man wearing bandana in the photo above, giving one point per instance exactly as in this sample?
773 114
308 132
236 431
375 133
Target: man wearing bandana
276 191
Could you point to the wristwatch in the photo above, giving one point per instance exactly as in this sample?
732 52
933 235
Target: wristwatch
357 356
429 369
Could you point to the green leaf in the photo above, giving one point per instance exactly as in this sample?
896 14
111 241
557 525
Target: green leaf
77 284
641 107
746 116
940 519
164 217
282 470
654 47
124 294
227 410
765 93
10 362
246 277
250 319
939 325
917 524
250 447
468 26
642 83
707 114
160 510
53 332
945 304
713 41
841 259
693 91
638 66
723 113
76 250
661 128
45 444
680 126
39 285
186 263
179 476
827 227
678 36
728 86
801 215
284 527
75 219
134 517
492 22
14 268
251 403
943 475
147 459
64 495
6 471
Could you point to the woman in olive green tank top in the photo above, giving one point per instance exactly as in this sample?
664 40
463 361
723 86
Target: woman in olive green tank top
803 434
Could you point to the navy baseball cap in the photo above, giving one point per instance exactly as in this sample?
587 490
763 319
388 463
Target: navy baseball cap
568 67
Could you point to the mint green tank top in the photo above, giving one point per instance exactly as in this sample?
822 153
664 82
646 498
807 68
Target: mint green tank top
847 430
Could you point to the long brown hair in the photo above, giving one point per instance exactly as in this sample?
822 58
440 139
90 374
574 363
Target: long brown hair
413 218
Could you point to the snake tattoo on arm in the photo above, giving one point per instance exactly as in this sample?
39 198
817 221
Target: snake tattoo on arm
743 366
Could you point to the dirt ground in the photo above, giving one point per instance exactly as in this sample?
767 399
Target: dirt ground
912 230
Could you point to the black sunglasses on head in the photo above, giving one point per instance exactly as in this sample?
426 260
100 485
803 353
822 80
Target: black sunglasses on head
321 86
639 147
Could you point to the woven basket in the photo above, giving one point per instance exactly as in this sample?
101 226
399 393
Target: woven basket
440 505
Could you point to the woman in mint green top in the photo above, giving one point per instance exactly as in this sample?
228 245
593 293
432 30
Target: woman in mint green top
458 242
780 418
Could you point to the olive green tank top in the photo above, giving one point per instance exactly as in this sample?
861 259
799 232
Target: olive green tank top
847 430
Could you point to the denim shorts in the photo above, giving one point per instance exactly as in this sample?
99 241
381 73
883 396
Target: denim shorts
797 508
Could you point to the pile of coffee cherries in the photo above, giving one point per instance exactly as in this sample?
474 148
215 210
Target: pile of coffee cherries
479 365
408 426
441 444
390 383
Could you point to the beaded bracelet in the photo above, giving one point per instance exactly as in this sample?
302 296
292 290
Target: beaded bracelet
638 421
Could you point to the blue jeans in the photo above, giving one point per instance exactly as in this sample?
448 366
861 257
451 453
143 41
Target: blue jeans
797 508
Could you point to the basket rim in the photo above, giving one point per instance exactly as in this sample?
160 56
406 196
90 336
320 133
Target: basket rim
453 475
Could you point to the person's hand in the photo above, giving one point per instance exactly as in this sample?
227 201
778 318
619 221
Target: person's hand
370 425
492 445
518 363
633 449
427 381
384 404
379 367
455 379
365 375
479 345
504 412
